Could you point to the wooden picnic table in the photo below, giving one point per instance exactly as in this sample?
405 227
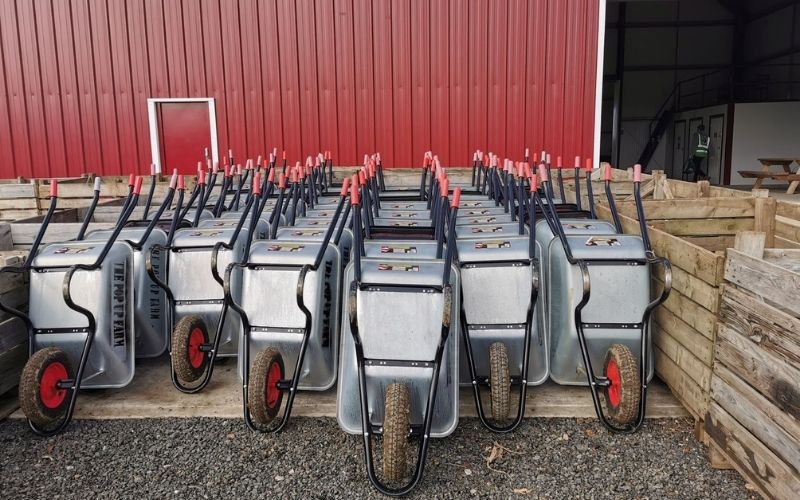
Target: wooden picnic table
766 172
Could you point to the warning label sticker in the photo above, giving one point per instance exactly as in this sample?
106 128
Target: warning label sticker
575 225
408 268
406 223
494 229
484 245
285 248
72 250
307 232
408 216
483 220
601 241
398 249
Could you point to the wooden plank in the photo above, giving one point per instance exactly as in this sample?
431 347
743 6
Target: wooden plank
767 327
751 458
772 376
765 218
693 398
701 320
671 325
11 363
692 288
24 233
781 242
717 458
751 243
774 283
705 208
695 260
774 428
787 228
702 227
712 243
693 367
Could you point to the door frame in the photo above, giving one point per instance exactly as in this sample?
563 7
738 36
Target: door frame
152 117
721 177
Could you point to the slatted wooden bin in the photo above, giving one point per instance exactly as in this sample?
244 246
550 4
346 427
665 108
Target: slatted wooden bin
753 419
13 335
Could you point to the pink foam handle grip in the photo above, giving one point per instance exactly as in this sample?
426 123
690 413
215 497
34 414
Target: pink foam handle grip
215 168
444 188
534 183
258 162
607 173
294 176
362 178
577 162
588 165
54 188
543 172
131 180
137 185
282 182
527 152
239 170
527 167
544 155
309 161
637 173
257 184
366 159
201 176
558 162
535 157
378 157
426 162
227 171
345 187
230 153
327 155
275 152
474 156
355 199
181 183
271 175
456 198
283 154
271 158
200 165
173 182
548 159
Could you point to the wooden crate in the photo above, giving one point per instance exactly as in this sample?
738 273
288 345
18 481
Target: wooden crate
13 334
754 415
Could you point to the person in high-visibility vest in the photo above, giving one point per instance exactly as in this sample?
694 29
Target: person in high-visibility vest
700 144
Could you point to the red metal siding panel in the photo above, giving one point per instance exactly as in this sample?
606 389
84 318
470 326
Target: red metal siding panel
440 102
290 87
271 77
345 82
140 80
460 149
479 74
326 75
253 94
420 80
307 66
365 88
382 54
123 95
352 76
401 80
215 69
51 99
536 85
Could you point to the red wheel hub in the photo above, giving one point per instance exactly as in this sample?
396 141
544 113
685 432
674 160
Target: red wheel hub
51 395
196 356
274 376
614 383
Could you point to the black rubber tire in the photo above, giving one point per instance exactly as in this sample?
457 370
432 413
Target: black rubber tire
260 411
29 388
499 381
181 335
630 388
396 428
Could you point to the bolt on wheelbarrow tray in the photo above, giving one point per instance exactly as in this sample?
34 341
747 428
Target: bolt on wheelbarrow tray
106 292
269 281
194 289
497 279
613 315
399 312
149 301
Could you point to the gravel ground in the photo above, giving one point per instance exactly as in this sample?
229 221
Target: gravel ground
213 458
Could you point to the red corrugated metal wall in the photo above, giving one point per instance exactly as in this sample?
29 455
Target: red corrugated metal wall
353 76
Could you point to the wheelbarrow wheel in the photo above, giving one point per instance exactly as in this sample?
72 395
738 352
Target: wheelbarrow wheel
188 360
396 428
263 395
499 380
40 398
623 392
